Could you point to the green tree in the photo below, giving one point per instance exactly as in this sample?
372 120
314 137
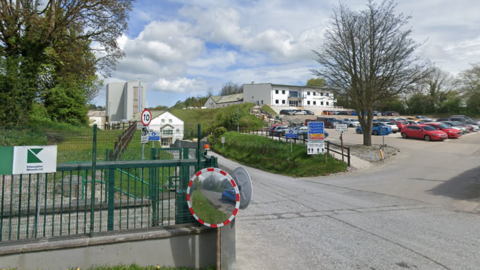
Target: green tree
368 56
28 30
470 87
316 82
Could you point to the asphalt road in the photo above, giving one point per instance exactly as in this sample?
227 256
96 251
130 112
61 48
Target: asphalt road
419 210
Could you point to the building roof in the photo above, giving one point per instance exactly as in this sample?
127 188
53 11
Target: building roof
155 114
287 85
228 99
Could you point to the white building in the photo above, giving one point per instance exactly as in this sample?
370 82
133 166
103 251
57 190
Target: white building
289 95
123 100
97 118
170 127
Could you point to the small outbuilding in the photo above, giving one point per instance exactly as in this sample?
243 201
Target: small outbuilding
170 127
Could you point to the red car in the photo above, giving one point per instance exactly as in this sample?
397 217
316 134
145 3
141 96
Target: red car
425 132
451 132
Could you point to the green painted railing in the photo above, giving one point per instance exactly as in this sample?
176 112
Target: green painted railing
89 198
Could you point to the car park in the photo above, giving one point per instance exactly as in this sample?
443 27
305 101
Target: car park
451 132
376 129
425 132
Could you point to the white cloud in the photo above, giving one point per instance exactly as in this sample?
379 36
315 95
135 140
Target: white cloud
181 85
196 45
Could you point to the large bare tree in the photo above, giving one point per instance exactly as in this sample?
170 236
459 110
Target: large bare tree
369 56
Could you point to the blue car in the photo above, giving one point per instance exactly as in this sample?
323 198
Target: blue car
229 195
376 129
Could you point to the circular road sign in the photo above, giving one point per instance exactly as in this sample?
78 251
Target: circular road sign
213 197
244 182
146 117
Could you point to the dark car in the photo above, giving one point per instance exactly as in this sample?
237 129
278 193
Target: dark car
279 130
328 122
391 113
229 195
287 112
309 112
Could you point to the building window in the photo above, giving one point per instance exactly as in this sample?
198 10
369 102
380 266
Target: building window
314 103
165 142
308 93
314 93
327 103
321 94
166 132
178 130
283 92
283 101
326 94
308 102
321 103
276 91
294 94
163 120
276 101
169 120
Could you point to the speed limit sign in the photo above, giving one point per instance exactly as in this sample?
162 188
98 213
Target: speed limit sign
146 117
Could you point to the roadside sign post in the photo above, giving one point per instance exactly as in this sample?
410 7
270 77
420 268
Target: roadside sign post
341 128
316 138
383 132
291 134
146 118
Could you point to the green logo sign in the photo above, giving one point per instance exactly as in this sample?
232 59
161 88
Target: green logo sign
32 155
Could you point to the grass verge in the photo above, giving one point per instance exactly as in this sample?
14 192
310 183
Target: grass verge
275 156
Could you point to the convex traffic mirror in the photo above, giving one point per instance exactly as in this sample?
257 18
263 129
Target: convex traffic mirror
213 197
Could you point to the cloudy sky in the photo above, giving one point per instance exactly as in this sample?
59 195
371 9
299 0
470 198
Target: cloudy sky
184 48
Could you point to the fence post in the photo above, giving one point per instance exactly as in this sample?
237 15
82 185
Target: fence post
92 189
154 190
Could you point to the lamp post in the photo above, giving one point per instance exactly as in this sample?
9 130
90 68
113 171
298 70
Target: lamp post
238 112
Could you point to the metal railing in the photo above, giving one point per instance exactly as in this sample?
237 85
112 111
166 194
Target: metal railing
89 198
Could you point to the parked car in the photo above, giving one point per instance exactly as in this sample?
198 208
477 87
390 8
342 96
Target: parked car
299 112
451 132
229 195
308 120
375 129
279 130
458 125
394 126
421 117
329 122
309 112
400 124
272 127
426 132
352 122
287 112
391 113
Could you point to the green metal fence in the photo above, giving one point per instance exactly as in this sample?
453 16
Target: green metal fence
99 196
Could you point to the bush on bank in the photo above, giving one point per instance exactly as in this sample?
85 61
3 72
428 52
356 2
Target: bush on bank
273 156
